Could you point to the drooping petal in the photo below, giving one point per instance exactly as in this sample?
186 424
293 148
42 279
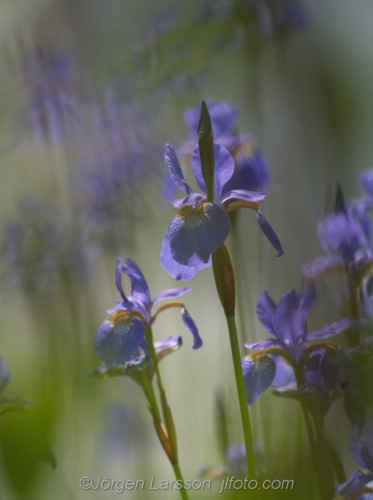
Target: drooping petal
265 311
4 374
176 270
171 293
331 329
164 347
354 483
196 232
240 194
270 234
174 167
323 265
259 372
284 373
118 280
140 289
119 338
191 199
189 323
290 319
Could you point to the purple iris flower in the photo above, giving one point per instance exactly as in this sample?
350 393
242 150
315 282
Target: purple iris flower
121 338
200 227
345 237
277 359
360 483
251 171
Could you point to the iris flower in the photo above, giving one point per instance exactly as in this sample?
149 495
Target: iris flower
278 359
360 483
120 340
251 170
200 227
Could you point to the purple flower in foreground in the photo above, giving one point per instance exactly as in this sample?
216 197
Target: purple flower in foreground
288 358
200 227
120 340
251 171
360 483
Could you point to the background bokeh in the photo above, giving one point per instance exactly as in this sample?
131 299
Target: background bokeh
90 92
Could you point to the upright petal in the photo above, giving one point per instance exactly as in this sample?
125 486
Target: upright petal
118 338
197 169
290 318
174 269
196 232
265 311
174 167
140 289
224 168
259 372
118 280
270 234
189 323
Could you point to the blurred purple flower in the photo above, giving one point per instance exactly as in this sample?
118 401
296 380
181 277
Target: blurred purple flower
277 360
121 338
200 227
360 483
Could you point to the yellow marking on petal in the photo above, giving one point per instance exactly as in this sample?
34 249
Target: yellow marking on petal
242 204
191 211
166 306
246 148
122 316
329 345
272 350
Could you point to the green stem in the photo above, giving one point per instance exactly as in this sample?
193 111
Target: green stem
167 415
240 384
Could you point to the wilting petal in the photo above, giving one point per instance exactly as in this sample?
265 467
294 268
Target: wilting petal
191 199
240 194
290 319
195 233
189 323
140 289
270 234
4 374
119 338
323 265
164 347
176 270
170 294
265 311
259 372
356 481
331 329
174 167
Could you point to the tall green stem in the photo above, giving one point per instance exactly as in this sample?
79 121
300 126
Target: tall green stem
167 415
240 384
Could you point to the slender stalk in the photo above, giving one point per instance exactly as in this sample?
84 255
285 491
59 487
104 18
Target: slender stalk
240 384
150 396
167 415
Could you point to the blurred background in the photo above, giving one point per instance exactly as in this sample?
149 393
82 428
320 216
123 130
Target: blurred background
90 92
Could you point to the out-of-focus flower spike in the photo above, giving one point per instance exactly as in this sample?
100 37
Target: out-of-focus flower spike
259 371
270 234
189 323
4 374
206 150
